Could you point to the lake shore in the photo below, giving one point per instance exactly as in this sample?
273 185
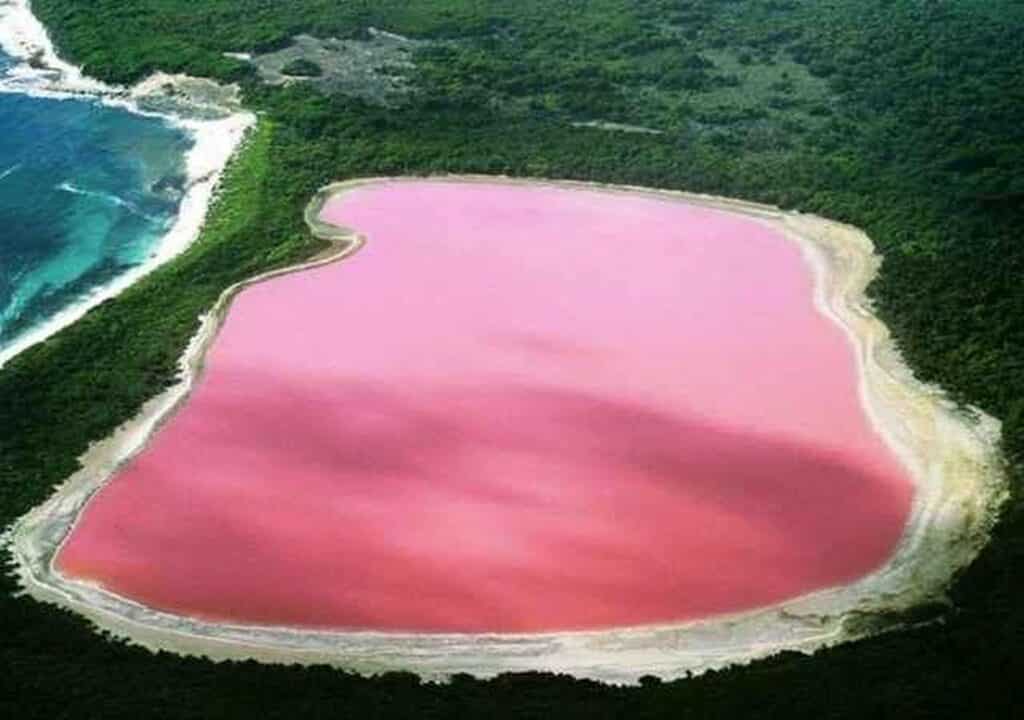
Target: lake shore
211 114
951 455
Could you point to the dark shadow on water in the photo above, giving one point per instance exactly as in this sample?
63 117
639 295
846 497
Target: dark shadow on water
824 516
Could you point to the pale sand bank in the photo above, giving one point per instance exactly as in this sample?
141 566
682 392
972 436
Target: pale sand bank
951 456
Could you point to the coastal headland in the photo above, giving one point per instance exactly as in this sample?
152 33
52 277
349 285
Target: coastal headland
211 114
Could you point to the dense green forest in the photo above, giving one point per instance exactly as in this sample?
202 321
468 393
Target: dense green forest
903 117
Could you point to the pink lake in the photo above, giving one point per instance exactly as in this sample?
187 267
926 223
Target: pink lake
516 408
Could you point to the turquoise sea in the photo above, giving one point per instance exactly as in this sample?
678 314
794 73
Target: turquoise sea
86 193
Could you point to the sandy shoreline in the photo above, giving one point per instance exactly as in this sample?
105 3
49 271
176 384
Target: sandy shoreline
951 457
211 115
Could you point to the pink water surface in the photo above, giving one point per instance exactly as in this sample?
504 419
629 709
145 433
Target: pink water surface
515 409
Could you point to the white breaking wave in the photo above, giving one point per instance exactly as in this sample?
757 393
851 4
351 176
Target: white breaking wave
18 303
109 198
10 171
22 36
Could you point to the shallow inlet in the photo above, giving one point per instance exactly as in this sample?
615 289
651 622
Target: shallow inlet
514 409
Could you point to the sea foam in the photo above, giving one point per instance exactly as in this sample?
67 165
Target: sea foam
23 37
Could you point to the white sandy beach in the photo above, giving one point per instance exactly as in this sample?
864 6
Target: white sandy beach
950 454
215 140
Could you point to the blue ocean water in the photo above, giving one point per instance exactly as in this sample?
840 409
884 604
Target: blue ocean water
86 193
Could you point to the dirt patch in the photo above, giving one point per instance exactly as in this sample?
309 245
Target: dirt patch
376 69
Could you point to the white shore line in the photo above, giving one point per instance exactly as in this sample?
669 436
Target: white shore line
215 141
950 453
